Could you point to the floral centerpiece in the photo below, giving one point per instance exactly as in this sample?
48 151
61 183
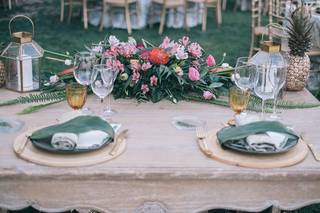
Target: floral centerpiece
171 70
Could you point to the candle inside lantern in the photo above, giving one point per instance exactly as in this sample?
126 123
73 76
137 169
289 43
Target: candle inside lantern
24 72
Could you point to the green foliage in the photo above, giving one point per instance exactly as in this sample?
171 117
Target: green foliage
299 31
36 108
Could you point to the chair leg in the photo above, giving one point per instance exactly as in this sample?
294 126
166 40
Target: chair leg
252 44
224 5
185 12
61 10
85 13
70 11
128 20
218 13
102 16
138 12
236 4
151 15
163 19
204 18
10 4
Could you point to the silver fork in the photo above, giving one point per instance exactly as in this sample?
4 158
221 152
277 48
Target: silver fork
202 135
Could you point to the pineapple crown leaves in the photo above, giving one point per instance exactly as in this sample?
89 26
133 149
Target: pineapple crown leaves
299 30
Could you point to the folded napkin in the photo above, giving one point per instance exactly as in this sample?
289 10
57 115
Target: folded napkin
81 132
261 136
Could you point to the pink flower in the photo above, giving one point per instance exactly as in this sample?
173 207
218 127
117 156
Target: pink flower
207 95
195 50
146 66
193 74
184 40
181 54
196 64
140 46
135 65
116 65
145 55
144 88
210 61
165 43
112 52
153 80
127 49
136 77
174 48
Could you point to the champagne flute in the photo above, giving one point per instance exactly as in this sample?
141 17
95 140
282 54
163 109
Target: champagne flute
244 73
263 87
277 79
83 62
102 83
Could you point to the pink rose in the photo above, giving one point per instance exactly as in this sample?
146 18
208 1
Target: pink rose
210 61
195 50
207 95
153 80
144 88
193 74
146 66
184 40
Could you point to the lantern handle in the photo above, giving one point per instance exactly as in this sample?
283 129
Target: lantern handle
276 26
21 16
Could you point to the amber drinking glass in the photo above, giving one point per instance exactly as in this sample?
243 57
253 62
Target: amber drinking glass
238 99
76 95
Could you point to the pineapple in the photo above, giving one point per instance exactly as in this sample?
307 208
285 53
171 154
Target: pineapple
299 31
2 74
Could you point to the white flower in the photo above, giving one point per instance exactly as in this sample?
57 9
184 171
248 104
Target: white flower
225 65
132 41
67 62
181 54
54 79
97 49
113 41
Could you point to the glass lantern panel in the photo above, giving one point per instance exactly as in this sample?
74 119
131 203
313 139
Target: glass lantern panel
12 51
29 50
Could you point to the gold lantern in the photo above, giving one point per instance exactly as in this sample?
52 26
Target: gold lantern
22 59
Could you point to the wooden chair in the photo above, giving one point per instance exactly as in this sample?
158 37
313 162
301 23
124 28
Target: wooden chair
9 3
166 5
71 3
209 4
107 5
256 28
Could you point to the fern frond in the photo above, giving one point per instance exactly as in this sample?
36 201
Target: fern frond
36 98
32 109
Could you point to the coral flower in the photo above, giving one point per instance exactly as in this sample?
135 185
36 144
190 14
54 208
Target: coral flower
158 56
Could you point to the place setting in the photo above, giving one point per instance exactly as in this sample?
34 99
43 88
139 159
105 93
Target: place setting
251 139
83 136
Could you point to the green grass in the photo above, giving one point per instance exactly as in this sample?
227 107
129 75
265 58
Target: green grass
233 37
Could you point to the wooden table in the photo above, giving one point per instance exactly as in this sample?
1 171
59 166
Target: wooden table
162 169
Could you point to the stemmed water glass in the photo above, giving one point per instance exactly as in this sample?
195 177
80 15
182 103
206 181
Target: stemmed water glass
263 87
102 83
277 79
84 62
244 73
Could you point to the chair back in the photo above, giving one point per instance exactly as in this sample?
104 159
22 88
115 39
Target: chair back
256 7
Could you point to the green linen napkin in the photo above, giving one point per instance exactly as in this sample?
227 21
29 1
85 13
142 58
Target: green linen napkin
237 135
76 125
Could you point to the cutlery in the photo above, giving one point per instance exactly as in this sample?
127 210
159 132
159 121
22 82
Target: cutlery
24 144
201 135
312 149
119 140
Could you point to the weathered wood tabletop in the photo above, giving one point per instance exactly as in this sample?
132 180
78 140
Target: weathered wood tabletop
162 169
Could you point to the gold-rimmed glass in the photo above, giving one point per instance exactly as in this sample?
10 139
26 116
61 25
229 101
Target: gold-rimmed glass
238 99
76 95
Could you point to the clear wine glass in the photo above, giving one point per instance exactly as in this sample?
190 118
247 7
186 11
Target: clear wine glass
244 73
277 79
102 83
263 87
84 62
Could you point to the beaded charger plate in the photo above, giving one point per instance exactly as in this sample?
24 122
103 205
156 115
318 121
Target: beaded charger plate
35 155
294 156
